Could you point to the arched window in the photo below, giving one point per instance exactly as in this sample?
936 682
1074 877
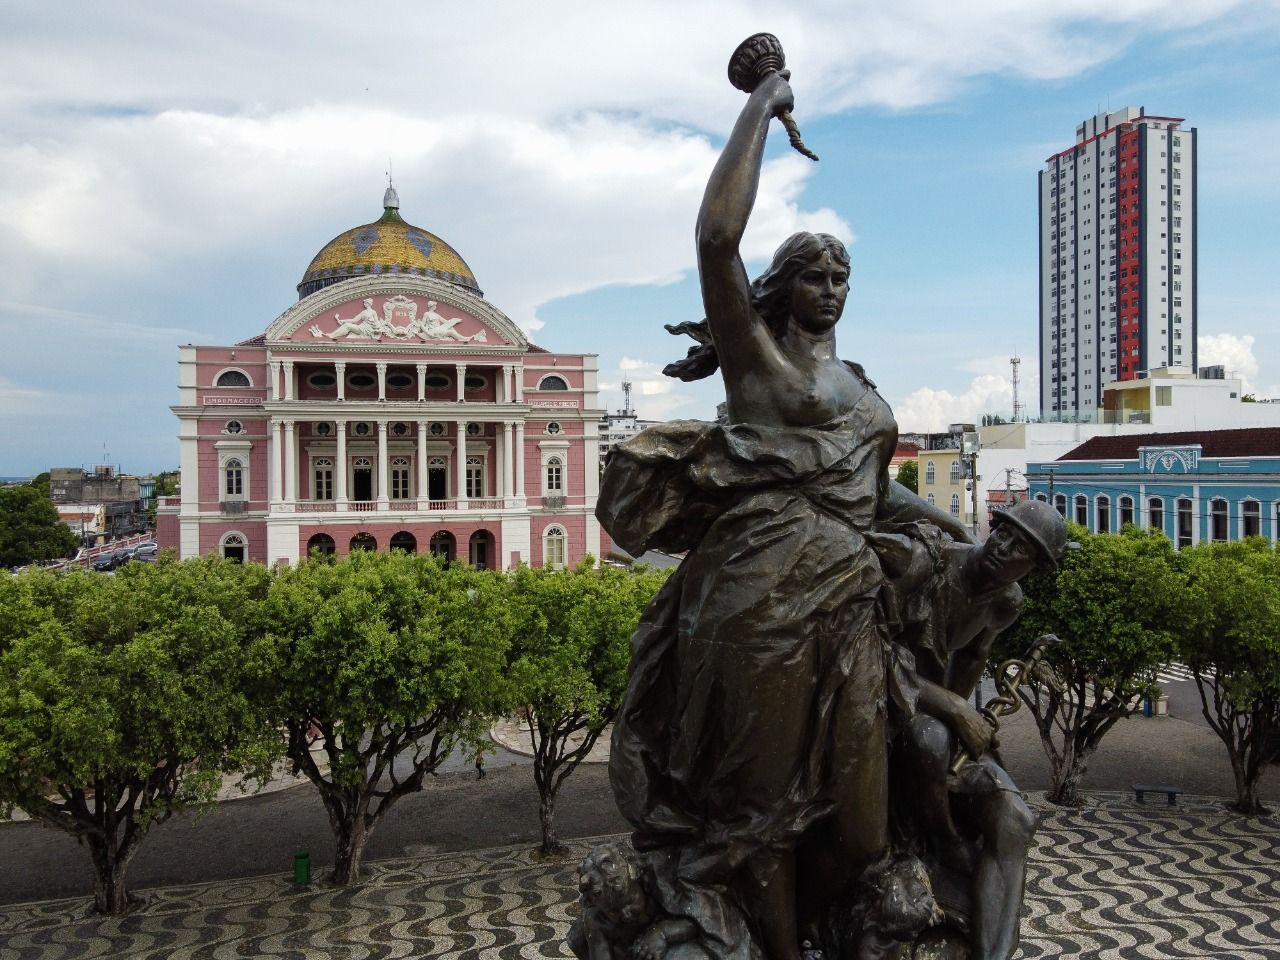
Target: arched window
957 471
930 474
1186 523
322 475
321 545
1250 519
552 382
931 499
475 477
1082 509
1126 511
1060 503
481 549
363 541
1043 498
554 480
553 547
400 478
1155 513
955 504
233 479
234 546
1218 520
443 545
1103 504
404 540
233 378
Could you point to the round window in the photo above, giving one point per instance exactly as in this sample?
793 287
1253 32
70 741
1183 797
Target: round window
436 429
476 382
437 381
233 426
553 428
362 429
322 379
361 381
473 429
399 381
322 429
400 429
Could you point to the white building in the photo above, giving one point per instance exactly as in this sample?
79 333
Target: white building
1117 258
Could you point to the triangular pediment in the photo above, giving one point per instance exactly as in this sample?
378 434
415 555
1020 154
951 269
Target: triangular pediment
400 312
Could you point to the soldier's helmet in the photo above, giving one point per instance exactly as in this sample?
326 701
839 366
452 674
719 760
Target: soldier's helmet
1041 524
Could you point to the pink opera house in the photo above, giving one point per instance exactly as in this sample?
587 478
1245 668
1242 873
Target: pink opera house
391 407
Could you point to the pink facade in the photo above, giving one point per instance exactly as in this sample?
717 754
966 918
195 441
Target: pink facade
402 406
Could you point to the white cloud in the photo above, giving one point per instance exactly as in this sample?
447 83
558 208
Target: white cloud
928 410
1233 352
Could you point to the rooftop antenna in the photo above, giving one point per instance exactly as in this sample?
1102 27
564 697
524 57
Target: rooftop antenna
1014 361
626 398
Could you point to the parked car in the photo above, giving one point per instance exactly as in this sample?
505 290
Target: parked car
108 560
146 553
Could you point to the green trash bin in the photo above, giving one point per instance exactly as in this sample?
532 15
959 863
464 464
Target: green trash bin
302 868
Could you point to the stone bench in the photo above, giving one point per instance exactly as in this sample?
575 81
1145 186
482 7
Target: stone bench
1141 789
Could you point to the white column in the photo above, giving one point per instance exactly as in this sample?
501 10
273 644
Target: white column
340 467
276 472
422 386
340 371
461 369
519 373
273 380
273 467
422 458
519 457
461 472
382 380
291 463
504 394
508 471
384 479
288 379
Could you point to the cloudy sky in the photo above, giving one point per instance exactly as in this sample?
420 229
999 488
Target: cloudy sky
168 170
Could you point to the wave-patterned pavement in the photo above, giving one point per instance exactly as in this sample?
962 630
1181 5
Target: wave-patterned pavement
1112 880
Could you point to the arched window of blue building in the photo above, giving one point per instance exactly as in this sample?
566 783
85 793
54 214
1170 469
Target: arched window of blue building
1218 526
1155 510
1126 511
1104 514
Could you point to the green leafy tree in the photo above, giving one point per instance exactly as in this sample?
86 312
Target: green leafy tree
1232 644
909 475
570 658
389 663
30 528
126 699
1114 604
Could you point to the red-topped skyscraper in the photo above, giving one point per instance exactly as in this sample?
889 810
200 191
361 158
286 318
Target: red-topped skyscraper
1117 258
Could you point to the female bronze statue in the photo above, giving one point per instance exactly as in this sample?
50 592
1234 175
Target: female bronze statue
751 752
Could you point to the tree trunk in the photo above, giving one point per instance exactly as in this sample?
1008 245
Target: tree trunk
110 895
351 841
551 845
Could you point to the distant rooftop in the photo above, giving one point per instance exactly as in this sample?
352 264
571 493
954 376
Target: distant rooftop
1250 442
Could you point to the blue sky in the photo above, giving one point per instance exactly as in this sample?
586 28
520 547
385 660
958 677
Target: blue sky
166 175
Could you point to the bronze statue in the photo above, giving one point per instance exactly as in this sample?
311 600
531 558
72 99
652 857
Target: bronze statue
769 680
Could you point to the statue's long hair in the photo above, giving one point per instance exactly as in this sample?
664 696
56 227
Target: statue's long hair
770 296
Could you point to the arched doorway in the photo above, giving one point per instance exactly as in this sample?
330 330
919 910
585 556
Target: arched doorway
404 540
235 547
321 545
363 541
443 545
480 550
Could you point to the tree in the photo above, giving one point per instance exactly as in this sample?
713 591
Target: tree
126 699
570 658
389 662
1232 644
1114 604
30 528
909 475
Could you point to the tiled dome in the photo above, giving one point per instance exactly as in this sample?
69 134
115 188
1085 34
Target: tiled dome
388 246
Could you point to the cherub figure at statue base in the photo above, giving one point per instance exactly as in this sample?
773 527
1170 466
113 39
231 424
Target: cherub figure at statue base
620 918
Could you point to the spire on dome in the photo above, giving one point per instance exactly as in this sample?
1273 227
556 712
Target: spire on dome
390 199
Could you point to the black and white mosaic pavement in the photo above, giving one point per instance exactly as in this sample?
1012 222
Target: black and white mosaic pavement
1110 881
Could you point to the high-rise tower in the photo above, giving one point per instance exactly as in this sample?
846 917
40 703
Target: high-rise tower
1117 258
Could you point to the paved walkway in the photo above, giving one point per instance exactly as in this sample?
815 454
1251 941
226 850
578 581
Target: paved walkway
450 873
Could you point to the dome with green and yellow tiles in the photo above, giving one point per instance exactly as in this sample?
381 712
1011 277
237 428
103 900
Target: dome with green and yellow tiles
387 247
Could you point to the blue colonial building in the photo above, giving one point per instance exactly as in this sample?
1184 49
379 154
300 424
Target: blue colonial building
1195 485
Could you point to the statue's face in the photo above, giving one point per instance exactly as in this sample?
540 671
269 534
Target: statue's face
818 292
604 881
1008 555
